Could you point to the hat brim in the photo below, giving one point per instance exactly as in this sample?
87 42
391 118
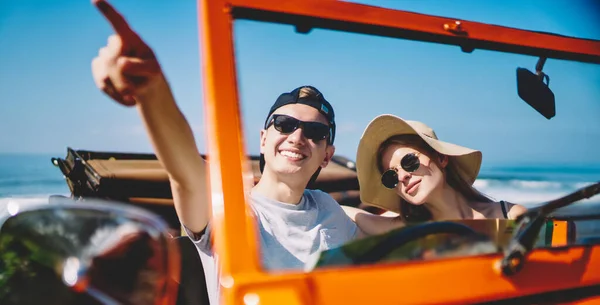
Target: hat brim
380 129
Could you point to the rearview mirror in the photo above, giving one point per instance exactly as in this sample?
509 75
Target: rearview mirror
84 253
533 90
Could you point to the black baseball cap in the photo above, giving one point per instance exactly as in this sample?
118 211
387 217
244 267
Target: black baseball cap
316 101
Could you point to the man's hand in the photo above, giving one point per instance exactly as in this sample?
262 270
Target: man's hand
126 68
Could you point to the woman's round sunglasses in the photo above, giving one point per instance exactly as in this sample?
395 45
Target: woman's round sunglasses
410 163
285 124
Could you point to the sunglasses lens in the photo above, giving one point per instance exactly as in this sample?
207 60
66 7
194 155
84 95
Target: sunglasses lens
389 178
285 124
315 131
410 162
311 130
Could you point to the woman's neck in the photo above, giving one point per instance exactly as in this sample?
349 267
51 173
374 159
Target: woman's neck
271 187
447 203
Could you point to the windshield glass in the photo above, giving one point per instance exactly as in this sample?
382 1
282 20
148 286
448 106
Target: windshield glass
468 99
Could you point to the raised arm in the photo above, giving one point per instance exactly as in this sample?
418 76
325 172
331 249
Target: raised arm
127 70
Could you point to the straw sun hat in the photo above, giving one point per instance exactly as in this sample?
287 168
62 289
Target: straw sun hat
372 192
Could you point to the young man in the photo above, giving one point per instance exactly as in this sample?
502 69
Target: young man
294 223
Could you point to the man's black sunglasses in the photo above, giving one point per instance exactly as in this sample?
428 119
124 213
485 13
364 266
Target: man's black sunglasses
410 163
285 124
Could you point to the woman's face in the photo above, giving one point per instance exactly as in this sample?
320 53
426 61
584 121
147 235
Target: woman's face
418 186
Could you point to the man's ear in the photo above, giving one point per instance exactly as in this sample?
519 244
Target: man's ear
443 160
329 151
263 139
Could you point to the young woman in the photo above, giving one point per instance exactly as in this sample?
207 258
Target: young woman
403 168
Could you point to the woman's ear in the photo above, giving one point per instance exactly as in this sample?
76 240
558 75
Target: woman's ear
443 160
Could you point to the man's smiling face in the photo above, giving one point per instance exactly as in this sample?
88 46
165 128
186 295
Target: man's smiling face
287 154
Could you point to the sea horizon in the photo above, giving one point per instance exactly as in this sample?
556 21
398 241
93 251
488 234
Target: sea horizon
34 175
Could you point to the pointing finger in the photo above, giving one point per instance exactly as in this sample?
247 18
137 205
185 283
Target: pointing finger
116 20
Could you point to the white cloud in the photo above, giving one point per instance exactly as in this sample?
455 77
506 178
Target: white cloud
347 127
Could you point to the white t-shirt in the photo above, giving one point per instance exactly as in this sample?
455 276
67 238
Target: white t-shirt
290 235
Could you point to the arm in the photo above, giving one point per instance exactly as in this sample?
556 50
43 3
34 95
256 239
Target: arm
371 224
127 70
175 147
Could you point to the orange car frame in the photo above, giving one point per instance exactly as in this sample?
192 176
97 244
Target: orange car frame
244 282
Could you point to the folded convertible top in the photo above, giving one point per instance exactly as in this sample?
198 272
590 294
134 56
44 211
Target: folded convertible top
140 179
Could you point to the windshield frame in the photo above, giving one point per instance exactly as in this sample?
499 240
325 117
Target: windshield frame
231 175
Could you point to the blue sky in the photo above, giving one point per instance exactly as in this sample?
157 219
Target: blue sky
48 100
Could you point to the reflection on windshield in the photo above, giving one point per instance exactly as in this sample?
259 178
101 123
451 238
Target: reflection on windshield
493 236
368 250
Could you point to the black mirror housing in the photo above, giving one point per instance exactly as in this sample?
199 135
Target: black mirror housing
532 89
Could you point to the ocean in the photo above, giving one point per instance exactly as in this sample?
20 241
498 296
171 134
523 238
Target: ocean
531 185
24 175
30 175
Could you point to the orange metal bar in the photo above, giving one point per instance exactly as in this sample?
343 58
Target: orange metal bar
464 280
232 229
359 18
451 281
174 269
560 233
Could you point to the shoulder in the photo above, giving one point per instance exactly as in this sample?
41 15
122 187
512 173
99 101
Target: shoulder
515 210
320 197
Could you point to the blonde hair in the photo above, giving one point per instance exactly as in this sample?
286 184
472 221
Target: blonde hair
411 212
308 92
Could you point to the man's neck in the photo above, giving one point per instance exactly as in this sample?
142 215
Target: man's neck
275 189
